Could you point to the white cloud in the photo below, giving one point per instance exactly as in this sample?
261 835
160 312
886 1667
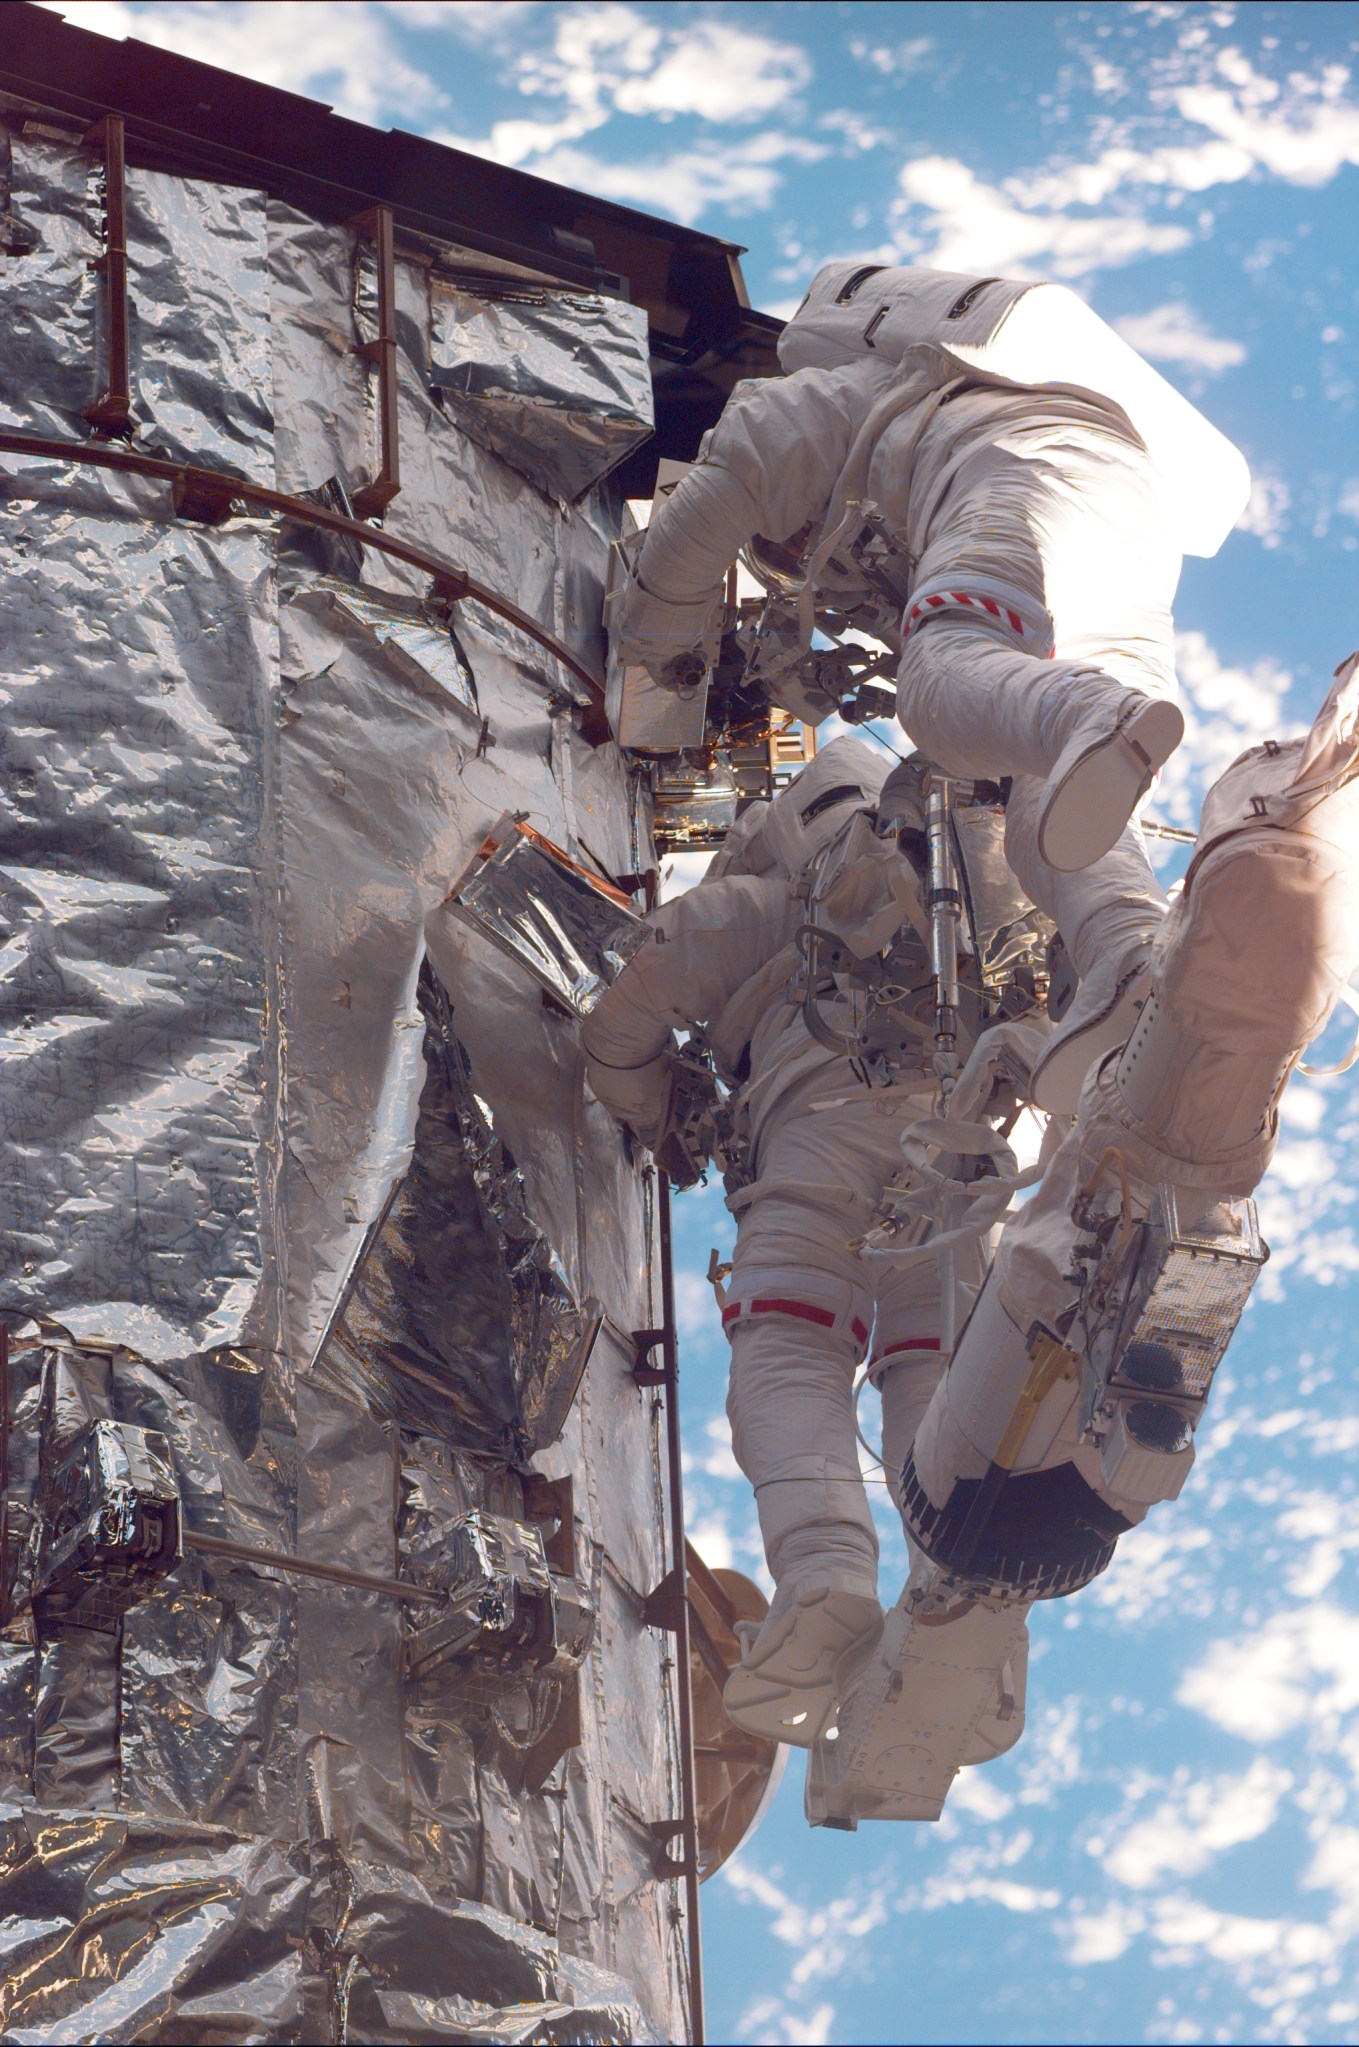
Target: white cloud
685 185
1183 1927
718 72
859 132
952 219
599 63
1329 1527
1172 333
975 1793
694 1305
1298 1667
1304 131
1108 80
469 18
1200 1819
611 60
1266 513
1175 167
712 1539
719 1462
1335 1866
1147 1559
989 1890
1101 1936
346 55
1050 1759
1226 710
769 2022
892 60
823 1935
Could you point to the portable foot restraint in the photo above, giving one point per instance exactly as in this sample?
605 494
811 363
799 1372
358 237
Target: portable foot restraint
944 1688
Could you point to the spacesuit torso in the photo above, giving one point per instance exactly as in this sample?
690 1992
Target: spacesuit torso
822 1118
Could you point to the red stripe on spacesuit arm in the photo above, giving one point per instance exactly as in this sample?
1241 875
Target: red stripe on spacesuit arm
940 600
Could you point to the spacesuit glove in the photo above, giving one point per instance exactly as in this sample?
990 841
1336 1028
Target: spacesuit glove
637 1095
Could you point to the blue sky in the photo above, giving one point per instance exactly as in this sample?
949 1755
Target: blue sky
1172 1854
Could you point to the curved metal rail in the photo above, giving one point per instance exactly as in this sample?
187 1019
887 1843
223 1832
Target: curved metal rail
207 495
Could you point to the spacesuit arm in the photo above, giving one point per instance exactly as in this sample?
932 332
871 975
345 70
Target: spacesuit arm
769 466
708 943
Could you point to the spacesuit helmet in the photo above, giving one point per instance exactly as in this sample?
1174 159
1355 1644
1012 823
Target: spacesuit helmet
1027 334
823 333
840 319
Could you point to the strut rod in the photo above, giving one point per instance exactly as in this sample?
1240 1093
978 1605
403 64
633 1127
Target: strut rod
111 412
375 497
211 492
679 1549
308 1567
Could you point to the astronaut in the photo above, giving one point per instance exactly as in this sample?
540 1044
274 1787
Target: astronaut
1071 1400
983 476
802 1307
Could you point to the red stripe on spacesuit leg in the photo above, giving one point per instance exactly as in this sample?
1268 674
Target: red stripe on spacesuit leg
803 1311
911 1343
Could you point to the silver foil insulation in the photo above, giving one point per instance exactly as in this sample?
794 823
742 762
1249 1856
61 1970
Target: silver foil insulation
303 1193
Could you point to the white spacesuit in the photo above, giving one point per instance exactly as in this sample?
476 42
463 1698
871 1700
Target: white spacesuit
1071 1400
802 1304
982 475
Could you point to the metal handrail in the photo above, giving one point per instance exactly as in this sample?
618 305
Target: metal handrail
679 1549
211 492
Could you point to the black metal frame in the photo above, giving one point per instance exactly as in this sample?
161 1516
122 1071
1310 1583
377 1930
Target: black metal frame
208 495
667 1606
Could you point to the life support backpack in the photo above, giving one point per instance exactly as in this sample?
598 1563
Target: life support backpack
784 836
1008 331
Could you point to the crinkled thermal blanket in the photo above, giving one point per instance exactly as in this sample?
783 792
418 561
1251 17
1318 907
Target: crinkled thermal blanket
326 1224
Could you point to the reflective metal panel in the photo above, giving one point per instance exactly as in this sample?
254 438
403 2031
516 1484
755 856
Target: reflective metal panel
336 1232
573 933
557 383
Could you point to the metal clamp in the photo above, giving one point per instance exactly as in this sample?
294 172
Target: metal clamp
644 1371
373 498
111 412
663 1863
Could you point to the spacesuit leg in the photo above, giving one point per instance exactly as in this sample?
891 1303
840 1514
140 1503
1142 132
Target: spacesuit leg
798 1313
906 1367
1247 969
1108 915
1039 638
795 1342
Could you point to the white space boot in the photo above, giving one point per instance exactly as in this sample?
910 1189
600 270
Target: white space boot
792 1672
1101 1017
1109 915
1104 770
823 1551
1248 968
